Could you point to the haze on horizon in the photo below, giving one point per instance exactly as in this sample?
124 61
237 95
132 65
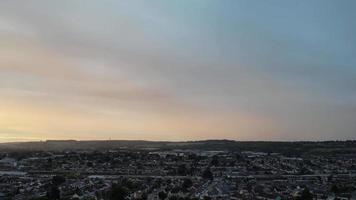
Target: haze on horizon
178 70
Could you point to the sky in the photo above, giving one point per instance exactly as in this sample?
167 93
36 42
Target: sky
178 70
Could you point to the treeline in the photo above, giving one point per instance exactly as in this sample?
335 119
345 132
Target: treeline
288 148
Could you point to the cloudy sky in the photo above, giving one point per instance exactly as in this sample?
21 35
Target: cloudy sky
178 70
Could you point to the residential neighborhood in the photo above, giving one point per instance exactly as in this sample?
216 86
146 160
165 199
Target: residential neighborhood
175 174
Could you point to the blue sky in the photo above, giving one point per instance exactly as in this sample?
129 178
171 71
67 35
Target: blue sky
178 70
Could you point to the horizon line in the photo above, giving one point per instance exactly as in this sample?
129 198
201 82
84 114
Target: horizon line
178 141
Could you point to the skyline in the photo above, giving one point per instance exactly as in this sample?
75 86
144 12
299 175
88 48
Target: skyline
177 70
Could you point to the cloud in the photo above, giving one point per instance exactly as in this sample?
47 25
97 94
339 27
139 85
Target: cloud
127 71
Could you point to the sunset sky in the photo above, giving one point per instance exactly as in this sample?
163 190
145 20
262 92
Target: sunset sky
178 70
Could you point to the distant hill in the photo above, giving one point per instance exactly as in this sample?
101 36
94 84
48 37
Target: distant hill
344 147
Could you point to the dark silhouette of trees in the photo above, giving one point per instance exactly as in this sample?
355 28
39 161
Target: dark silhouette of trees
335 189
53 193
118 192
182 170
215 161
173 198
162 195
306 195
58 180
187 183
207 174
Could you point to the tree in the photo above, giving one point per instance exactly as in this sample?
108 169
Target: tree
334 189
187 183
40 198
144 196
118 192
215 161
162 195
182 170
58 180
207 174
90 164
173 198
306 195
53 193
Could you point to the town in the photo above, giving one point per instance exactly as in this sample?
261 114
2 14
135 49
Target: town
182 174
